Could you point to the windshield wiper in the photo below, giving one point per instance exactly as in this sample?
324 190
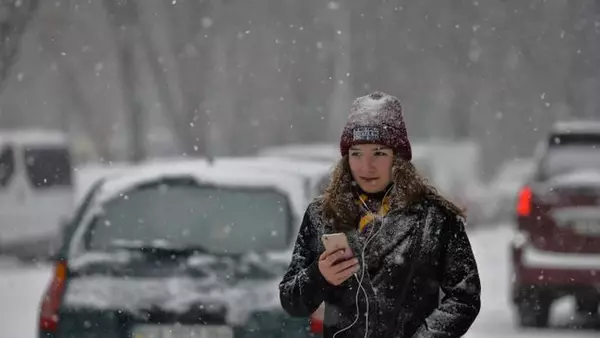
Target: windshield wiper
159 248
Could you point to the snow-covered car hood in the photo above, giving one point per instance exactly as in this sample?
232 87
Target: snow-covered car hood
175 294
218 292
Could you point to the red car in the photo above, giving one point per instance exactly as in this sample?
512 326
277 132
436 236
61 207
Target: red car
556 250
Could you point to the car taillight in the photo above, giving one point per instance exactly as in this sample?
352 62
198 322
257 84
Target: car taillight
524 201
52 298
316 320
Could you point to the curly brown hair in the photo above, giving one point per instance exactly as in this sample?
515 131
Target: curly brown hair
410 188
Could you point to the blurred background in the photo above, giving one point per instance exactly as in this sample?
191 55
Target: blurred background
131 79
126 82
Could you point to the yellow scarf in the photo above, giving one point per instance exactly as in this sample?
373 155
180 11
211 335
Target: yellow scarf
367 216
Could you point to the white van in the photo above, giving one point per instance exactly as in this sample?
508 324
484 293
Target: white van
36 190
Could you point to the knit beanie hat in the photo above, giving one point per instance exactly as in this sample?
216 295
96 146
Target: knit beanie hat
377 119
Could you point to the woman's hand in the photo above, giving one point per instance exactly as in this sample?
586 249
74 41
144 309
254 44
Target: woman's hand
336 267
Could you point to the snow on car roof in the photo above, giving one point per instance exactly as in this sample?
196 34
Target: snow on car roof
29 137
584 177
321 151
219 174
88 174
328 152
577 126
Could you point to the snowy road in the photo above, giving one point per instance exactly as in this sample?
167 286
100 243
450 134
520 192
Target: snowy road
20 293
496 317
21 289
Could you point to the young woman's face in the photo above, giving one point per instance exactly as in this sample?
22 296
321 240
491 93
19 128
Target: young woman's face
371 166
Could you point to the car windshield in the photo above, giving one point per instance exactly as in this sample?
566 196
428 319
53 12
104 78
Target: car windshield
217 219
566 159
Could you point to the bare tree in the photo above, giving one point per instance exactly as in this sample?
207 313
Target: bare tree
342 85
181 93
190 44
78 108
124 18
163 88
15 16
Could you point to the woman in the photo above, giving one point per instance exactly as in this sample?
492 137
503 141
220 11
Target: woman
411 270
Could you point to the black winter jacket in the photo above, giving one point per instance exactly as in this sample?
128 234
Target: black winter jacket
419 252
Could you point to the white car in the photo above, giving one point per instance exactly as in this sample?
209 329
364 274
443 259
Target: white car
501 194
327 152
36 190
316 174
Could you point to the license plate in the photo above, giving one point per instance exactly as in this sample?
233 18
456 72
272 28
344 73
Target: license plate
182 331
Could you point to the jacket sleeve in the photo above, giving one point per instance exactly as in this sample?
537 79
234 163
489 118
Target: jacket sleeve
303 287
460 285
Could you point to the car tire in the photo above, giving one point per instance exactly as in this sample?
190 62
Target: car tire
534 312
587 306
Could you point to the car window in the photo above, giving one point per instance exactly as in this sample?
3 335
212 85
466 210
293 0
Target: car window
48 167
7 165
566 159
574 139
221 220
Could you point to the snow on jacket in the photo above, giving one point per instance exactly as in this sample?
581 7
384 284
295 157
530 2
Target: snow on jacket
421 279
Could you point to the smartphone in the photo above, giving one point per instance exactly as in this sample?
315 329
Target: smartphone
337 241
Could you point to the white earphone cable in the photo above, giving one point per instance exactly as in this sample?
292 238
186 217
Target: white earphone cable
363 268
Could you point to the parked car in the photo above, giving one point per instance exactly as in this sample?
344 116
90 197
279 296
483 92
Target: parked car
177 250
316 174
87 174
453 167
556 250
326 152
501 194
36 191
